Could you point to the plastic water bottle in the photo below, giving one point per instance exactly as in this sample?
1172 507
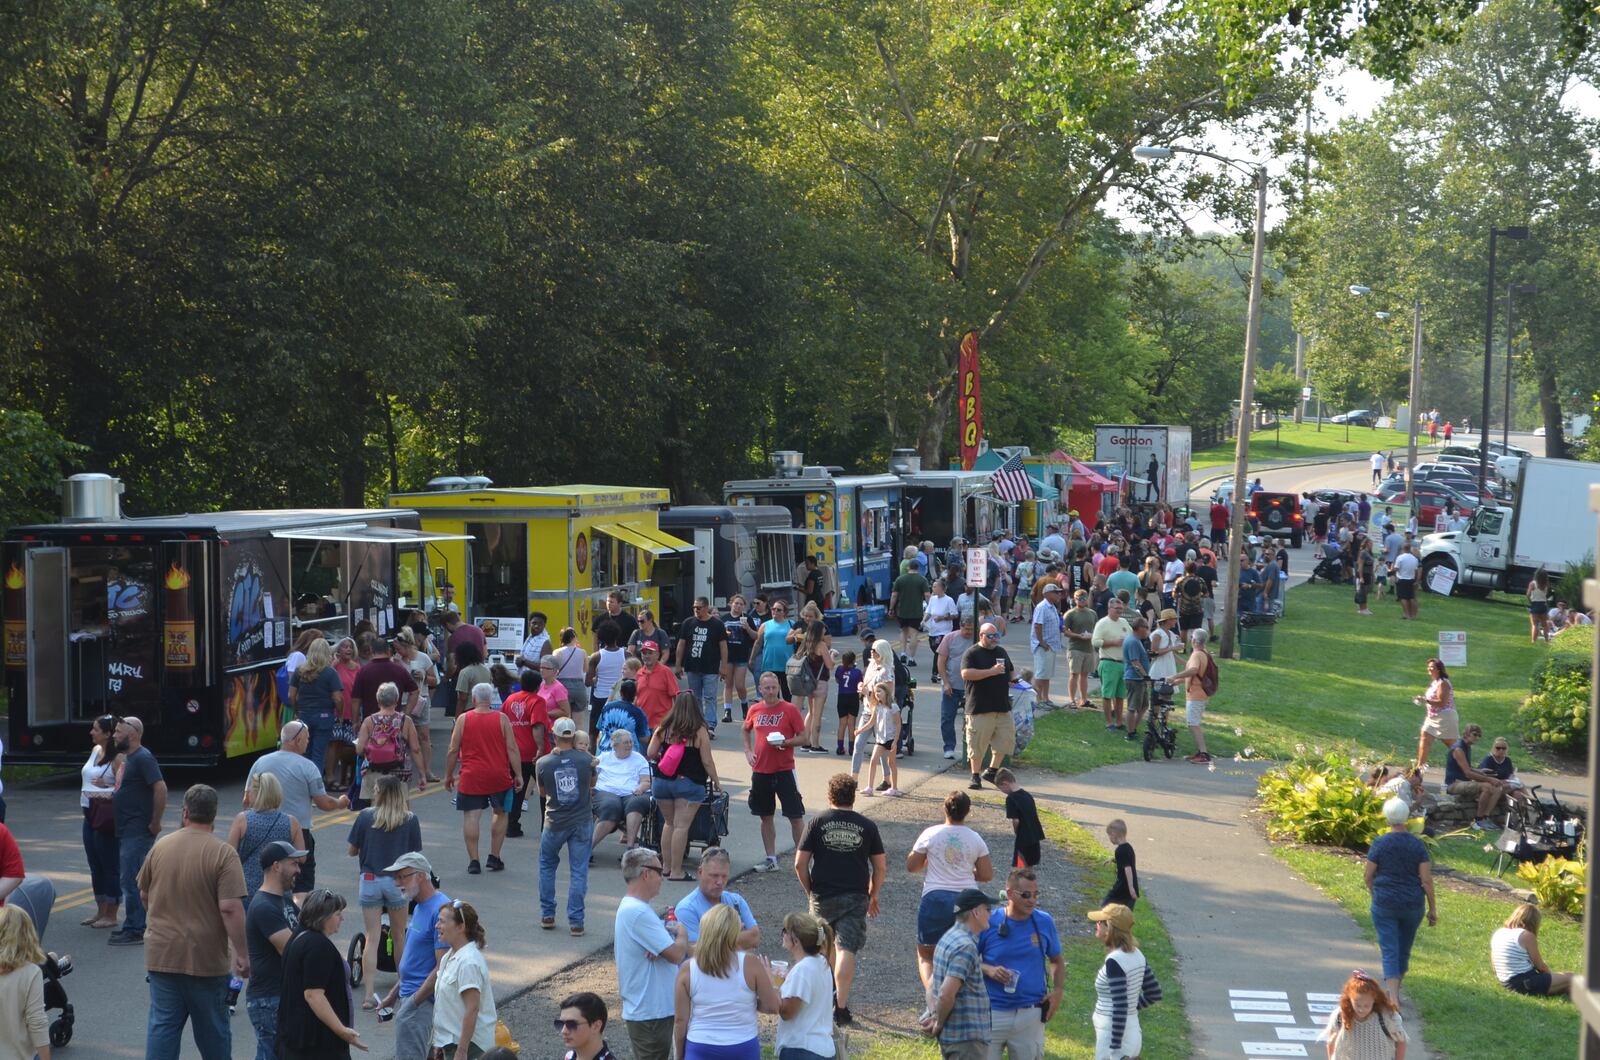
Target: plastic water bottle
235 984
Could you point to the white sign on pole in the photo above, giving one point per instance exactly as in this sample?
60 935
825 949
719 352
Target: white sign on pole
977 568
1305 393
1453 647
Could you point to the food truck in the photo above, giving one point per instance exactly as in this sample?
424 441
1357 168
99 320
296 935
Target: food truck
182 620
747 549
513 550
944 504
1050 475
850 521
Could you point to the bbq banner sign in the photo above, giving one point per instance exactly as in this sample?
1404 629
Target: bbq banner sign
969 393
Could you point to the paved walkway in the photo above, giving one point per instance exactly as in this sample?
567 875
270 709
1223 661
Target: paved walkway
1261 953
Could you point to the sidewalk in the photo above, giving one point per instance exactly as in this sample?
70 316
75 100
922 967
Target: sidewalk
1262 954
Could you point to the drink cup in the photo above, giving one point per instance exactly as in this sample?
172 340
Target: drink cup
780 971
1013 977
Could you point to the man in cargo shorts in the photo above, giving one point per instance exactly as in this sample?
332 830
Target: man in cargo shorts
988 671
1081 660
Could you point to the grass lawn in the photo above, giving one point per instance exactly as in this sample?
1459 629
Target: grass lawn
1465 1010
1299 440
1336 679
1070 1034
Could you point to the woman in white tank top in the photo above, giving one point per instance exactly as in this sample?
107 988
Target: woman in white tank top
99 845
605 668
719 992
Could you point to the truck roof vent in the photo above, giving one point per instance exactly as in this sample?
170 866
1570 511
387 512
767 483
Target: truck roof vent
479 482
90 498
904 461
787 463
447 483
814 471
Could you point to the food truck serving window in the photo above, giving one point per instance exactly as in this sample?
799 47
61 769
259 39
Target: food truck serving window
876 530
499 564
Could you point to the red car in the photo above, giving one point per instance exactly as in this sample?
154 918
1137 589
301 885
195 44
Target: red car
1429 501
1278 514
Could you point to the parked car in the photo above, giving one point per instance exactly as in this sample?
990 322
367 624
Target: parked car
1431 499
1357 418
1278 515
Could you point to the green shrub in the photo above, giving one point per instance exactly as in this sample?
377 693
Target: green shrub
1321 799
1557 883
1556 715
1568 585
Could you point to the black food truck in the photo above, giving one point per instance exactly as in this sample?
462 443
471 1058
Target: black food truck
183 620
744 549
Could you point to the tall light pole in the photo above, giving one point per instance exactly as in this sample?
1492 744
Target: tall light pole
1511 232
1247 380
1511 326
1415 389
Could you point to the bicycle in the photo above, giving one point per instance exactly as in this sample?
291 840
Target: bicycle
1158 733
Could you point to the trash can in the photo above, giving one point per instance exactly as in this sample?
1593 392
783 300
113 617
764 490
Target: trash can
1255 635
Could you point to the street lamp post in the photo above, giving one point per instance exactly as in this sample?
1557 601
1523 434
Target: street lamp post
1511 316
1247 381
1415 389
1510 232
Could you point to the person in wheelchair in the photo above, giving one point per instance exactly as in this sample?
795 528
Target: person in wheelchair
1499 765
621 790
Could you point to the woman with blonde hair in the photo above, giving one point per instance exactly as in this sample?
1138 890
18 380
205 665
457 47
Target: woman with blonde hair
719 993
24 1027
1366 1025
805 992
318 695
262 823
1514 952
681 750
1123 985
380 834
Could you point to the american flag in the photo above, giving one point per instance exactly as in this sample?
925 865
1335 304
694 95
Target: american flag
1011 482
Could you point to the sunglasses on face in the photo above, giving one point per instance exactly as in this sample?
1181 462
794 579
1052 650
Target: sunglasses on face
567 1025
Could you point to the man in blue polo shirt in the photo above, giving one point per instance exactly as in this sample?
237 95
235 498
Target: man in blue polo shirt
1021 939
715 868
419 960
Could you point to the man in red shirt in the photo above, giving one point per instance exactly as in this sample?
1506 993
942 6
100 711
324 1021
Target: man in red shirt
1220 517
1109 563
529 715
656 683
772 730
11 870
376 671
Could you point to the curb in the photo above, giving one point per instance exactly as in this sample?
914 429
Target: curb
1275 466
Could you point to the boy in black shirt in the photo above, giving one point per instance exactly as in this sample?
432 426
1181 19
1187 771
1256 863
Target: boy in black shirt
1125 891
1024 816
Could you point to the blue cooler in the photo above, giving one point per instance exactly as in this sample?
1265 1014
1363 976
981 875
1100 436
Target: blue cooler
877 615
841 622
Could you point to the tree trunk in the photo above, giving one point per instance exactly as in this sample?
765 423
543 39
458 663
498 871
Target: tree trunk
1555 438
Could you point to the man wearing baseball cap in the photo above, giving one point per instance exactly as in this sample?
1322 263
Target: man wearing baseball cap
657 685
1081 658
419 958
566 782
269 923
958 1007
1044 639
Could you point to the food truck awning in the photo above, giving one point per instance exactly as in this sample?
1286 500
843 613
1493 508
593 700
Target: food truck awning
656 542
1084 475
375 535
798 531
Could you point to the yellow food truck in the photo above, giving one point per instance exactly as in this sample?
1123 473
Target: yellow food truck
555 549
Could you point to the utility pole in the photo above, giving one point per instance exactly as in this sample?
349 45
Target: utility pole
1305 197
1416 394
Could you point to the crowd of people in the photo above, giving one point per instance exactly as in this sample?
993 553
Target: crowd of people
604 741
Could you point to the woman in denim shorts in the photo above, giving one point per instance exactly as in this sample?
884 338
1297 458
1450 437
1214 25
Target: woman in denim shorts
381 833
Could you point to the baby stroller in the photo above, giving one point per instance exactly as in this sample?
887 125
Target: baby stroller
905 691
1539 828
1331 569
35 896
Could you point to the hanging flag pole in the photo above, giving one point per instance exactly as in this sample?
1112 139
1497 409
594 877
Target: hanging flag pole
969 392
1011 481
